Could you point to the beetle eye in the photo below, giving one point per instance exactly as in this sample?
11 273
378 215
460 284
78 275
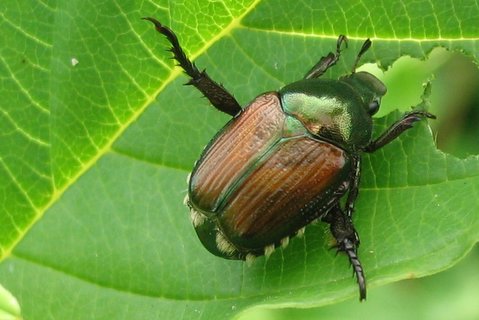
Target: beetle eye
373 107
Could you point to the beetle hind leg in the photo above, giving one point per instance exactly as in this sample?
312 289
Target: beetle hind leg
347 241
349 247
353 186
216 93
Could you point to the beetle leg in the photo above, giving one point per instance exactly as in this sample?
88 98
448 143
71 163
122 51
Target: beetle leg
353 186
326 62
216 93
397 128
347 240
350 248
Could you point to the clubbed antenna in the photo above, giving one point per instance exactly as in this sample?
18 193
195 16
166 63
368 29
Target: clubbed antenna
364 48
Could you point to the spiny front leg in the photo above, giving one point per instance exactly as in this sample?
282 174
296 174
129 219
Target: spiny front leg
326 62
216 94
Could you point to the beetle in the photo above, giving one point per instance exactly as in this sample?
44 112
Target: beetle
286 159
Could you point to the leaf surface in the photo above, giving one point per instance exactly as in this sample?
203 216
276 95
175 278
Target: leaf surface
98 134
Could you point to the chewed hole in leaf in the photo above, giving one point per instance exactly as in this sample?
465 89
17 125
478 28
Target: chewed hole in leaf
454 98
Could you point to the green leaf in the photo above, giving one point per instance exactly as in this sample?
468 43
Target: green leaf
447 295
97 135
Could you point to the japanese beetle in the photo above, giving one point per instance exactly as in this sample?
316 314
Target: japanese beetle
286 159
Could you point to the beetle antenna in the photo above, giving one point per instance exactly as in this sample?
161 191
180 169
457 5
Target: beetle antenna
364 48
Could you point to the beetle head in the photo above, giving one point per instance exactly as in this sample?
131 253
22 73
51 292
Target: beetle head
370 88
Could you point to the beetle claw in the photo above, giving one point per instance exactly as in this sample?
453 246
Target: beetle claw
335 247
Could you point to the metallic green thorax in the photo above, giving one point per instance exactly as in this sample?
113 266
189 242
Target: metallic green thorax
338 111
